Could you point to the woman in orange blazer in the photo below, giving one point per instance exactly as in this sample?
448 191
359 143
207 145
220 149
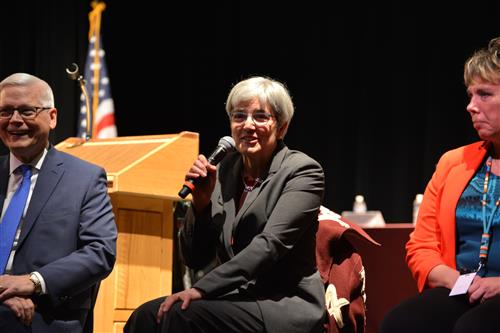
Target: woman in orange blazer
457 228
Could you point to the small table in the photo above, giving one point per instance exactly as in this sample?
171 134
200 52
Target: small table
388 279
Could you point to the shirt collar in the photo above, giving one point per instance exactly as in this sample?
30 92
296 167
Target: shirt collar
36 163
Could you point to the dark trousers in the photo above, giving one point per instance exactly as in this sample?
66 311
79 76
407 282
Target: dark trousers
207 316
434 311
9 323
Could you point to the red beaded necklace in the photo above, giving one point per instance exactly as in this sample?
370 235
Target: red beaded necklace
250 183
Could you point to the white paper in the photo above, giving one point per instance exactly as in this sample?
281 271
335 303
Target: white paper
463 283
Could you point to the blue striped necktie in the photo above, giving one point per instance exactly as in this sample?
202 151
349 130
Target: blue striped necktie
13 215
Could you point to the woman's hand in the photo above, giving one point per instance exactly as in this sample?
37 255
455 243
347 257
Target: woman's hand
204 188
186 296
484 288
442 276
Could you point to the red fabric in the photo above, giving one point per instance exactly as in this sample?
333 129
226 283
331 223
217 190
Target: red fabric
342 271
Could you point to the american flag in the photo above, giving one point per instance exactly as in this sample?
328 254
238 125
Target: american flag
101 104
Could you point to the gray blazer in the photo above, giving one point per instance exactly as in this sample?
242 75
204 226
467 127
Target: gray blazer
273 253
69 236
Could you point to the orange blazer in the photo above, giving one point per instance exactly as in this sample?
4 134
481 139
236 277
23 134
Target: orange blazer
433 241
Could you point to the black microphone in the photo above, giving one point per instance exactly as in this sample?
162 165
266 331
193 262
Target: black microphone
225 145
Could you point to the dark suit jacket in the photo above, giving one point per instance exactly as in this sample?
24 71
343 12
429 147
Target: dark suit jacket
69 237
272 258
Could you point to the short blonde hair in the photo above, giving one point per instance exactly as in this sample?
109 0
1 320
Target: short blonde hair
484 64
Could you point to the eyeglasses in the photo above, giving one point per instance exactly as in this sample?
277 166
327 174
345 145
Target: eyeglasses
259 118
26 112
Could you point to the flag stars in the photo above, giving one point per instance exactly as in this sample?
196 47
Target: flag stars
94 66
101 53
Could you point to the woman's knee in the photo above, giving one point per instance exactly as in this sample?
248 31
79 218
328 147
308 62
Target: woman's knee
480 318
143 319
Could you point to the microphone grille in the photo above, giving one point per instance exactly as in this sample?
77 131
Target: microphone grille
227 142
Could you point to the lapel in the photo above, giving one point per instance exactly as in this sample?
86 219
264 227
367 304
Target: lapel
49 176
4 179
462 173
232 221
230 175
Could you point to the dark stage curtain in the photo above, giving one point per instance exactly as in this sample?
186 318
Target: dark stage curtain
377 86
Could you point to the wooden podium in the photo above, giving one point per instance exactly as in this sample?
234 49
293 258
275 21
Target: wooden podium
145 174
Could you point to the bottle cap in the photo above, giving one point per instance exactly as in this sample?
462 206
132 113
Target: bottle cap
359 198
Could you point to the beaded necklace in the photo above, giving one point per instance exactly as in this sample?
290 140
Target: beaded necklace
485 239
251 183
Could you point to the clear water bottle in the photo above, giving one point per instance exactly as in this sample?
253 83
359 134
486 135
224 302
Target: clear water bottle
359 205
416 206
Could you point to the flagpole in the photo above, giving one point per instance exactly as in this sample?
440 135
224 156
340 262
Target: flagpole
98 120
95 31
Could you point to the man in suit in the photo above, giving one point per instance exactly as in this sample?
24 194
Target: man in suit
64 243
